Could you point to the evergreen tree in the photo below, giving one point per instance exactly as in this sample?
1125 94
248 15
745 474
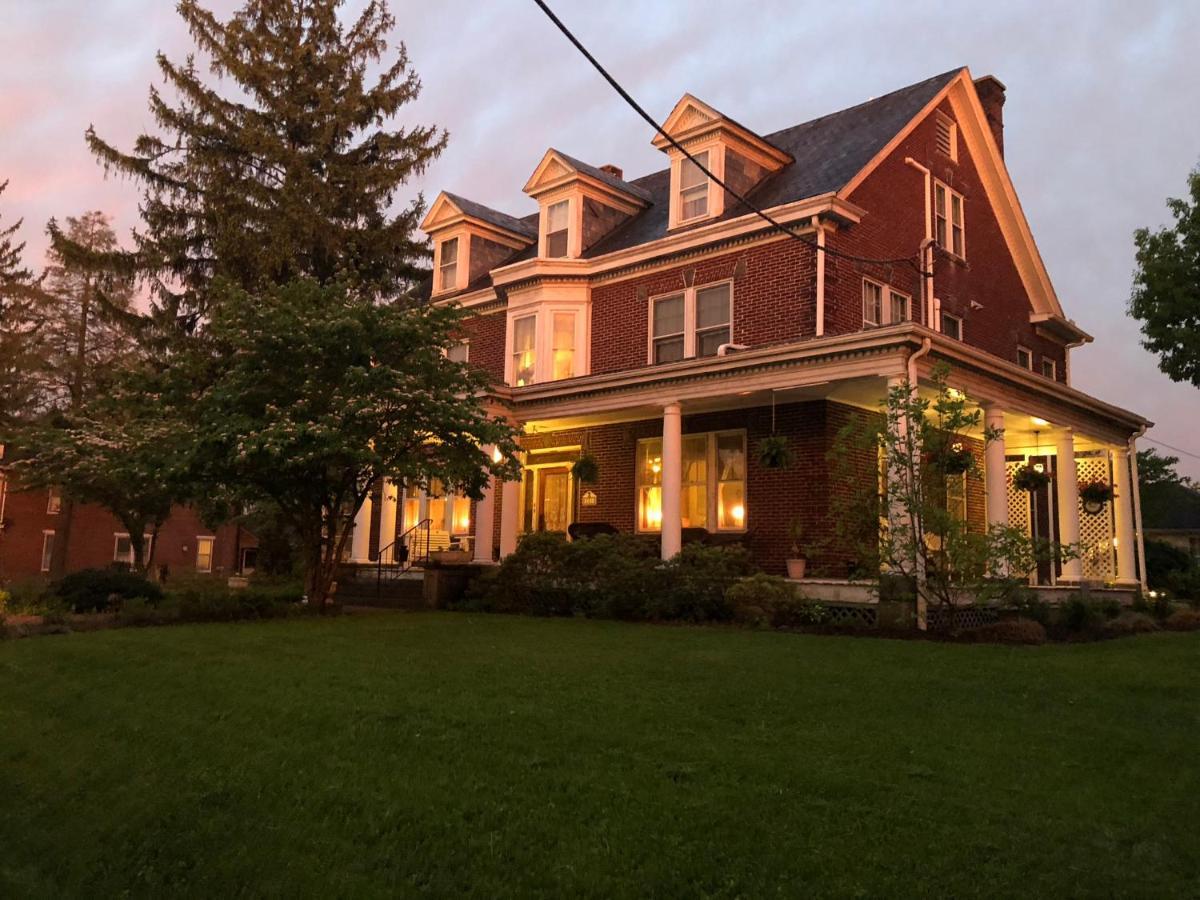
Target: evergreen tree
22 363
282 164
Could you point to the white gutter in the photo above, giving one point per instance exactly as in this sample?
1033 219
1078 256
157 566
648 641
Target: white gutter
926 346
926 246
820 229
1137 506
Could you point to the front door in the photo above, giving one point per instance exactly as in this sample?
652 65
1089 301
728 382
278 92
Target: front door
546 499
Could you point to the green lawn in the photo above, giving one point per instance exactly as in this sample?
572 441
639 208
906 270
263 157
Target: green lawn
452 754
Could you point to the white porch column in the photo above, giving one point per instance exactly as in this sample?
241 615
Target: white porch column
1137 512
995 469
484 518
1123 509
387 518
1067 476
360 540
510 516
672 481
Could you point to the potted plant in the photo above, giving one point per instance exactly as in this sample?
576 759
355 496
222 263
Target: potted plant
957 459
586 470
774 452
1093 495
1030 478
797 562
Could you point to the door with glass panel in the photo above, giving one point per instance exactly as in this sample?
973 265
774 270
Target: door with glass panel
546 499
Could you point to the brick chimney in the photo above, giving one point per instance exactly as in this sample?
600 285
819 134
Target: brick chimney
991 96
615 171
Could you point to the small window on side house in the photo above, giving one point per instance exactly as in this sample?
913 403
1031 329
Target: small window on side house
952 326
1049 369
557 229
872 303
53 502
901 307
448 265
693 188
47 549
459 352
948 220
204 554
1025 358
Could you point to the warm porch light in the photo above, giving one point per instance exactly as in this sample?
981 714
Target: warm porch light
496 455
1038 421
739 514
462 523
954 394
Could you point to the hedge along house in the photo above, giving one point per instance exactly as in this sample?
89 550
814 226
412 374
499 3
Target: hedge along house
660 327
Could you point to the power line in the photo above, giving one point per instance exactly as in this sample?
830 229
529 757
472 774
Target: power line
1169 447
616 86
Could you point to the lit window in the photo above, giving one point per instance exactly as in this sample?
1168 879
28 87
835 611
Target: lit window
901 307
557 228
668 329
448 265
1049 368
436 511
53 502
693 188
948 219
713 482
712 319
952 326
524 356
564 346
204 554
412 505
460 510
1025 358
458 353
872 303
47 549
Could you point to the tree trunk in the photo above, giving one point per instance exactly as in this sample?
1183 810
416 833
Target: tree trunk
62 540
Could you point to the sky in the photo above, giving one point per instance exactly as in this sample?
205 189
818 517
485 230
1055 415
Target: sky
1100 122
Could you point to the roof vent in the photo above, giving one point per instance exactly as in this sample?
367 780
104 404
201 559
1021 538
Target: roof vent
614 171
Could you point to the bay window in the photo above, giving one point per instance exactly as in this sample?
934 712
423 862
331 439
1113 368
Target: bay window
948 219
563 349
691 324
448 265
558 229
693 188
713 482
524 355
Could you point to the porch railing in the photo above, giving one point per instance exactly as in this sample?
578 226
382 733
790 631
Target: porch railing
409 549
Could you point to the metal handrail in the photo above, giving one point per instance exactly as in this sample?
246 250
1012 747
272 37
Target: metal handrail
409 559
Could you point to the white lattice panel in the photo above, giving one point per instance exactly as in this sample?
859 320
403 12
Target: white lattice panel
1018 501
1096 531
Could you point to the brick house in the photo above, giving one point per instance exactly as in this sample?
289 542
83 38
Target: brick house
660 327
32 520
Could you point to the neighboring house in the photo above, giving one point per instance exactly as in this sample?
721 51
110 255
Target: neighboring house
30 521
1171 514
660 327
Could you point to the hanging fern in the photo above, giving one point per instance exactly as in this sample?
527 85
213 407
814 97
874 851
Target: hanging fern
774 452
586 470
1027 478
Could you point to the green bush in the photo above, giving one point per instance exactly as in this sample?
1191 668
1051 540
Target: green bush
1008 631
696 581
95 590
756 600
1080 615
1029 605
1130 622
1183 620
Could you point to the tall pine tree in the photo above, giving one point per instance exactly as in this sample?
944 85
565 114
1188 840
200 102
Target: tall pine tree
283 163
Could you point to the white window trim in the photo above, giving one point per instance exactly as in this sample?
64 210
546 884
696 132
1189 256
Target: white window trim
908 301
711 485
942 316
689 317
1021 348
716 164
543 339
886 293
1053 376
944 119
464 343
933 211
47 535
461 264
574 200
212 551
148 541
53 494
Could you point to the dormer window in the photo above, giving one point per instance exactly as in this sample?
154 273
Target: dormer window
693 188
448 265
558 220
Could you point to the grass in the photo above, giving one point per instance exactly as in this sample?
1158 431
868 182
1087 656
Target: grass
453 755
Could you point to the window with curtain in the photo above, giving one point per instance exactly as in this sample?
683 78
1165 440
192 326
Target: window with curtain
558 229
563 363
693 503
524 354
712 319
649 485
460 512
668 329
693 188
437 504
731 481
713 482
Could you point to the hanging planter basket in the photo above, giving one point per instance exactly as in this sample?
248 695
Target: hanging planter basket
1094 495
774 452
586 470
1027 478
957 460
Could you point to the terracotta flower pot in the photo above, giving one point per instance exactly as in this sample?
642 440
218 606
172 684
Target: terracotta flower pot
796 567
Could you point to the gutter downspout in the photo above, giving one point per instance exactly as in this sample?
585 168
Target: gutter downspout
1137 506
926 245
820 229
922 609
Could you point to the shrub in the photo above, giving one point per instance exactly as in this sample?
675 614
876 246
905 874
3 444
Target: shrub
140 611
758 600
696 581
1008 631
1029 605
1130 623
1185 583
1183 620
1084 615
94 590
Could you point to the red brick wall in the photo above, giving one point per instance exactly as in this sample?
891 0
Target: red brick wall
894 227
92 538
486 336
773 301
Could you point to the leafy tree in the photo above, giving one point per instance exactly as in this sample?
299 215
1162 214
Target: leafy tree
907 524
308 394
281 165
21 340
1166 288
1154 470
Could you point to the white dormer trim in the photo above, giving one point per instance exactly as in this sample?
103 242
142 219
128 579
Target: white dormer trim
446 221
462 262
716 197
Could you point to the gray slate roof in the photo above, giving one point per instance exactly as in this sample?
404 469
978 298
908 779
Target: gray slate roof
828 152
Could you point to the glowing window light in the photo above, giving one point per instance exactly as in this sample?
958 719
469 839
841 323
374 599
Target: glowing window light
1038 421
